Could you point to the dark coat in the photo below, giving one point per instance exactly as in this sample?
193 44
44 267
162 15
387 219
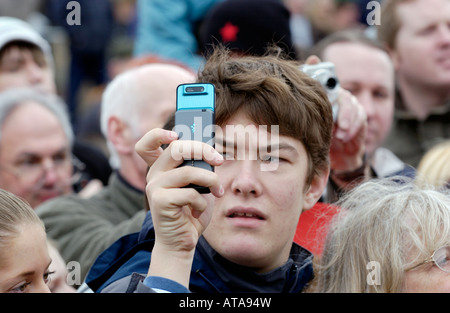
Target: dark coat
210 273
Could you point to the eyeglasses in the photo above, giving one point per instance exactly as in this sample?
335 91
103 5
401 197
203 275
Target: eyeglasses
33 171
440 258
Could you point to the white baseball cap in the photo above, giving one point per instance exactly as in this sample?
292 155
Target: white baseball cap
12 29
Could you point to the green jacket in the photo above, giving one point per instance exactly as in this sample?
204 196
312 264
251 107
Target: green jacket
83 228
410 138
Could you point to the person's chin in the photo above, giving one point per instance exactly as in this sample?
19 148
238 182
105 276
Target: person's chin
48 195
243 248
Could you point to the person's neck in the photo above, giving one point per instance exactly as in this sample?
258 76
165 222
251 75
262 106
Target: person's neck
420 100
132 176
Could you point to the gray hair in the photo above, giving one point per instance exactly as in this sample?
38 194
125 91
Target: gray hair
12 98
384 221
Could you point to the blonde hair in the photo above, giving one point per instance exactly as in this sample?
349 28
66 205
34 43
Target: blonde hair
434 167
383 221
14 213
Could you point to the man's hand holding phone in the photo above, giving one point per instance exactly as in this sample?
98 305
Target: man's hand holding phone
180 214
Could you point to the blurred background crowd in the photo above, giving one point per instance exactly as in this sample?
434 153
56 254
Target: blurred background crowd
111 39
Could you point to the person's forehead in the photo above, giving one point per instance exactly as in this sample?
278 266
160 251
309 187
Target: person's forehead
29 110
28 253
252 136
15 48
352 52
353 60
416 14
240 123
31 124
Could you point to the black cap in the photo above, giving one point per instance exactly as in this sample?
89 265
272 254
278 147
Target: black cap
248 26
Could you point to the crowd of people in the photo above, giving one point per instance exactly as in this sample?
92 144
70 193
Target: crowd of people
353 201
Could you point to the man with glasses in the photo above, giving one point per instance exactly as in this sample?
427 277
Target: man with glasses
35 146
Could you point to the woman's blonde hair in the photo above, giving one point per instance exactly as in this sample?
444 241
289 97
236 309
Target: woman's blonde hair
434 168
14 214
382 222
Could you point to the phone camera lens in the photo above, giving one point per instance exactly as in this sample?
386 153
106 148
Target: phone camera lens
195 89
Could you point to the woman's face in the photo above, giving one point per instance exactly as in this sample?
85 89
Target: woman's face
25 264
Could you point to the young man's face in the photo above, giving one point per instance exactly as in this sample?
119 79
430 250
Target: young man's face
254 223
422 52
19 68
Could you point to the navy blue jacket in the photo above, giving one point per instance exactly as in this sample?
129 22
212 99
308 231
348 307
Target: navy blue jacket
210 273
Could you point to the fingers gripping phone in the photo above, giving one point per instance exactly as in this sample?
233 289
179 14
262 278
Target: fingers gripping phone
194 120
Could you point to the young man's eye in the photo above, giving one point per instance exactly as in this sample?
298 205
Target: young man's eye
380 94
10 65
47 276
427 31
270 159
12 68
20 288
227 156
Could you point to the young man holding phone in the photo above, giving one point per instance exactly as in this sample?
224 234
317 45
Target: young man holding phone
238 238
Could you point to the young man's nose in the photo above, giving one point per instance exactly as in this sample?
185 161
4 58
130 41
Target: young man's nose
246 180
35 73
366 99
444 36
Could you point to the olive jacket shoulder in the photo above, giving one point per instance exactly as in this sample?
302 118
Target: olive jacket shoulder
83 228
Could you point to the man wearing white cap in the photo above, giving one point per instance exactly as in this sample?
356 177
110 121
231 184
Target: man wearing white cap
25 57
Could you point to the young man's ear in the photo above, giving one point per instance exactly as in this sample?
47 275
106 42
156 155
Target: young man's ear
315 190
120 135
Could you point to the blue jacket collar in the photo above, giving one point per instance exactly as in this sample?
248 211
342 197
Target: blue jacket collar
210 271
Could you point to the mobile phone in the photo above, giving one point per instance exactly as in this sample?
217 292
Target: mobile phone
195 120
